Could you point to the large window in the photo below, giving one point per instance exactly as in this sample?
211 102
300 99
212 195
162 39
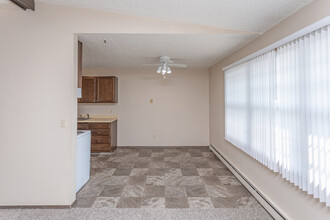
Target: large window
277 108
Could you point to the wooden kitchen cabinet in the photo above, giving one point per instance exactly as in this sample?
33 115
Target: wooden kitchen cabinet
100 132
105 89
80 47
104 135
88 90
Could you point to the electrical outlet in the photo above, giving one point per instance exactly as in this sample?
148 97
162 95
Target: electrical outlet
151 100
110 111
154 136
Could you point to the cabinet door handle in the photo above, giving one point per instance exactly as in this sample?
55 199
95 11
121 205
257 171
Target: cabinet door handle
98 141
98 133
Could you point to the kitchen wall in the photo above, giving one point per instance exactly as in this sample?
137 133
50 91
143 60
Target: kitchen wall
178 116
38 91
292 201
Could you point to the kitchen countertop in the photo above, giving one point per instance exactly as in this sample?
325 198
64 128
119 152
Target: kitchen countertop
99 119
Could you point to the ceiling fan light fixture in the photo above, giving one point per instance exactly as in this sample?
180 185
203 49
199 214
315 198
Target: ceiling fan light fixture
159 70
169 71
164 65
164 69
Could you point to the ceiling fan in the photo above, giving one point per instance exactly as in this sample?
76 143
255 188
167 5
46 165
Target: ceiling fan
165 65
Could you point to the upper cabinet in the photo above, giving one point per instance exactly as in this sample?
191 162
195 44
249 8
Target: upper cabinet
107 88
79 69
80 47
88 90
99 89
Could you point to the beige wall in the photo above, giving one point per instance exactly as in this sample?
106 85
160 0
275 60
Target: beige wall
292 201
38 90
178 116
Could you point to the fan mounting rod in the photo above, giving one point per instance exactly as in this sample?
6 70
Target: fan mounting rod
165 59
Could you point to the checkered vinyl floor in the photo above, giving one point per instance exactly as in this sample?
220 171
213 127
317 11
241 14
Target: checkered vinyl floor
142 177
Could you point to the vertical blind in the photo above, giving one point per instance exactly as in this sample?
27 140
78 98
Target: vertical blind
277 108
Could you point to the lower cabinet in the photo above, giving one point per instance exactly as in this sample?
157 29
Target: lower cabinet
104 135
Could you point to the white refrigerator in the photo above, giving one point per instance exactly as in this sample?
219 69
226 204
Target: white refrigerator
83 154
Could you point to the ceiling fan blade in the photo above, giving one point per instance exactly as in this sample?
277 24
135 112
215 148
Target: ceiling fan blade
155 64
178 65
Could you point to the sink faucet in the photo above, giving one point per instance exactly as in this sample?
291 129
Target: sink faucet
88 116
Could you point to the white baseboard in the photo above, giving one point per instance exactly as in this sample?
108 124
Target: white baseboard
262 199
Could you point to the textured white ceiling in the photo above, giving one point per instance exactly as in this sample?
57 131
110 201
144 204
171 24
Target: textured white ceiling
249 15
133 50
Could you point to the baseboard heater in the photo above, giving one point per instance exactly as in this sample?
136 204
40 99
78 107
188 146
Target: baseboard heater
252 189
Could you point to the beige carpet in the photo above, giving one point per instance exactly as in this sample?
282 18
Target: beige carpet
135 214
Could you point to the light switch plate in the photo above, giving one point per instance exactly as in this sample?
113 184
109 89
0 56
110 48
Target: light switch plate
63 123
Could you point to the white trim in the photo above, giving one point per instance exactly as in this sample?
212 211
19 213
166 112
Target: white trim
270 206
313 27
